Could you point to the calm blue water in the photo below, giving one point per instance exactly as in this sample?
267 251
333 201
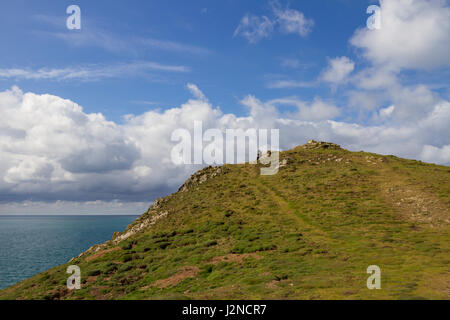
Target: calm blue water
33 244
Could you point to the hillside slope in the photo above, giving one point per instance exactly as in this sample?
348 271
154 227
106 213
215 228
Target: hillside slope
309 232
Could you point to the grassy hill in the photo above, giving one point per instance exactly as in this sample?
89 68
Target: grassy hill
309 232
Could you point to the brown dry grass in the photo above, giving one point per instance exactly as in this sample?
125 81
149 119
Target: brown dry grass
184 273
101 254
234 258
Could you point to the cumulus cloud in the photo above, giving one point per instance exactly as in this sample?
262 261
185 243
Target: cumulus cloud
286 20
365 100
414 34
56 143
338 70
413 102
52 150
376 86
309 111
374 78
432 153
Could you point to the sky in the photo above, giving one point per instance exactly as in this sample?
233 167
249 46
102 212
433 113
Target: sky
86 115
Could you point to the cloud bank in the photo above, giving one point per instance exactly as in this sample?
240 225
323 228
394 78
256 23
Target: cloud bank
51 150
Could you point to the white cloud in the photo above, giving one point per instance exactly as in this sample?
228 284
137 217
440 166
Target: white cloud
288 21
90 72
365 100
314 111
387 112
414 34
432 153
413 102
92 36
52 150
377 85
254 28
374 78
261 115
283 84
195 91
336 73
319 110
338 70
292 21
144 102
115 207
132 45
171 46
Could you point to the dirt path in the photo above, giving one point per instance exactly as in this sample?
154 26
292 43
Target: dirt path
314 233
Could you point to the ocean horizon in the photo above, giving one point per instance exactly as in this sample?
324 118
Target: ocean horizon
31 244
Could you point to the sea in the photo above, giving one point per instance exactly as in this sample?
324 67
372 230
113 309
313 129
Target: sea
32 244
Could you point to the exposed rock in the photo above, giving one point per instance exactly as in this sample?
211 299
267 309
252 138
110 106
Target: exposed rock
263 157
142 224
201 177
312 144
155 213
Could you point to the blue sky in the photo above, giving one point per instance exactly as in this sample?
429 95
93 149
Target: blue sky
86 115
200 34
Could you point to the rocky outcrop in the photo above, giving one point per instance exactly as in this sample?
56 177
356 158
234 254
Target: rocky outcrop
156 210
153 214
312 144
139 226
201 177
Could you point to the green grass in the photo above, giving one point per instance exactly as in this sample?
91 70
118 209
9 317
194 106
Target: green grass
309 232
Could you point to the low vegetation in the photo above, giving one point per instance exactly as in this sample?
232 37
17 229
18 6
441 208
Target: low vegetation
309 232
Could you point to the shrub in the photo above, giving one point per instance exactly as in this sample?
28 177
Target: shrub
125 267
281 277
206 269
93 273
110 267
229 213
211 243
126 258
163 245
126 245
187 231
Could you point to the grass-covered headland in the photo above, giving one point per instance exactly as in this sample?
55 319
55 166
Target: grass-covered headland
308 232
